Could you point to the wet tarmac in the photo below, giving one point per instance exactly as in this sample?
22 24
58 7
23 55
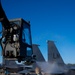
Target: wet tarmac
70 72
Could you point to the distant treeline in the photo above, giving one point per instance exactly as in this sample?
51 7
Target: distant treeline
69 64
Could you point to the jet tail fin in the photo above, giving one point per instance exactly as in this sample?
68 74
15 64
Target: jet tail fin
53 53
37 52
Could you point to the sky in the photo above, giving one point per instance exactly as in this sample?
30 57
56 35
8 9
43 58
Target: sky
50 20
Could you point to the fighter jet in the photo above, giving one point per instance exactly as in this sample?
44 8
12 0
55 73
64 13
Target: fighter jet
55 57
39 58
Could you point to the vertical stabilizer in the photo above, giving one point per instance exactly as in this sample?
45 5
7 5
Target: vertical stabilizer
53 54
37 52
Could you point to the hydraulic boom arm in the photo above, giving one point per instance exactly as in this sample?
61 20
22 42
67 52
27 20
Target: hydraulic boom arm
3 18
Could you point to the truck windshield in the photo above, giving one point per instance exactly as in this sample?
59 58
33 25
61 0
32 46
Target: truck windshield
26 38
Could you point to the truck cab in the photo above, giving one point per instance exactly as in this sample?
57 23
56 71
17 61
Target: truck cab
16 42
